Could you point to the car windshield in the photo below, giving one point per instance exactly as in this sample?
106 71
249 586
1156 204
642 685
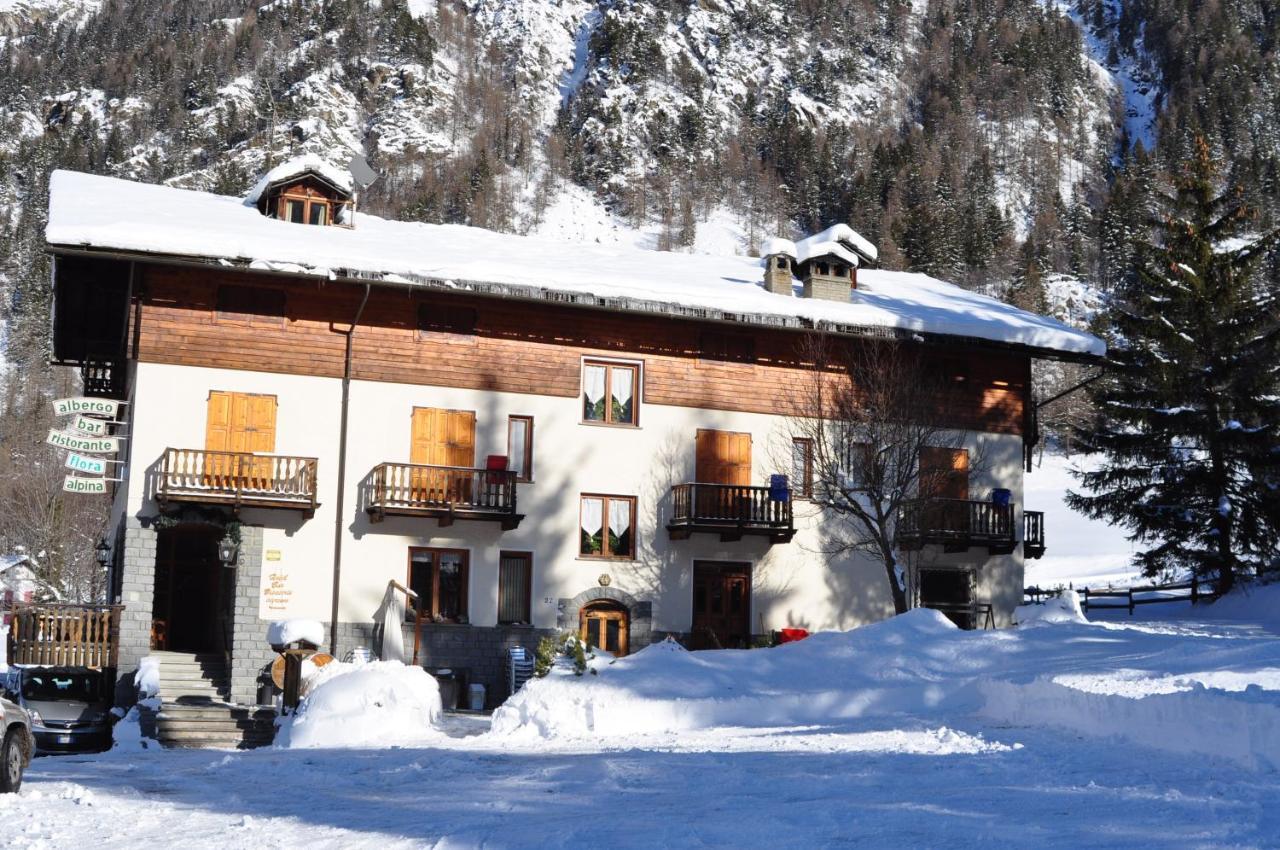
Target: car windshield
82 687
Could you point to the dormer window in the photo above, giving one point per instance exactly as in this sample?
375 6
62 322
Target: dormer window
306 190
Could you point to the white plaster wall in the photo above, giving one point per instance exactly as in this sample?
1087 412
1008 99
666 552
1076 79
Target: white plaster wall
794 584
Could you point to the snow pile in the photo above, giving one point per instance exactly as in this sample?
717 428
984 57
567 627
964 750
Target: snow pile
147 680
283 632
1063 608
127 735
380 704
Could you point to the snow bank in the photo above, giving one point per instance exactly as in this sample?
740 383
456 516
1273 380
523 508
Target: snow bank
664 688
282 632
379 704
147 680
1063 608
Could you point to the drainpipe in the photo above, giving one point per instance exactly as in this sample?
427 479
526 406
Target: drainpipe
340 512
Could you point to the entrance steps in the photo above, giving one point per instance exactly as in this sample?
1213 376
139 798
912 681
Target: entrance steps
195 710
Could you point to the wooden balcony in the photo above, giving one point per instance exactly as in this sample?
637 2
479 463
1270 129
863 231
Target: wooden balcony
1032 534
238 480
729 510
446 493
956 525
61 635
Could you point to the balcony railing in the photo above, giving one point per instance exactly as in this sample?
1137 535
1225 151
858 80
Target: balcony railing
1032 534
238 479
956 524
443 492
729 510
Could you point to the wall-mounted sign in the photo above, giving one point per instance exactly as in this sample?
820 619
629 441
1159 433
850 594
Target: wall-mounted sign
277 593
76 484
92 406
273 554
77 443
89 465
96 427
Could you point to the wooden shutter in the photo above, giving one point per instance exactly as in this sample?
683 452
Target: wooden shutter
723 457
217 429
945 472
443 438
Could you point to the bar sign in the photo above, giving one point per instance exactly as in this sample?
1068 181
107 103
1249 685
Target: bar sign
96 427
88 465
76 484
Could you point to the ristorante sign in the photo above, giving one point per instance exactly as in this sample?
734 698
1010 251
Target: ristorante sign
78 443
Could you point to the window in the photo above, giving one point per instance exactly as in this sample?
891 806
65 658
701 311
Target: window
608 527
446 318
609 392
781 262
250 304
520 447
304 210
728 347
802 467
515 578
439 577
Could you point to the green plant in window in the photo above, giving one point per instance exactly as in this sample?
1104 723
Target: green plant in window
592 544
592 411
622 410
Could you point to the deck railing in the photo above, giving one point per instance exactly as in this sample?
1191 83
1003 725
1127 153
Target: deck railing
729 506
239 478
413 487
956 522
57 635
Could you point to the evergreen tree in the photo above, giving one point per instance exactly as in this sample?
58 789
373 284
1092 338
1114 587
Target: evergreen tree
1188 418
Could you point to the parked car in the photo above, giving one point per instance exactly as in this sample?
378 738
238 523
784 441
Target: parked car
70 707
16 747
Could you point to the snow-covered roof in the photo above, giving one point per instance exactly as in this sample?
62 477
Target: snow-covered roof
296 167
104 213
839 239
778 245
8 562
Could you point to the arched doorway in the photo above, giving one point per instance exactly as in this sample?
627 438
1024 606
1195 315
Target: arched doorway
191 589
605 625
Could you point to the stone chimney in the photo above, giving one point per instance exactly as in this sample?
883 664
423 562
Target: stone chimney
827 278
827 262
779 266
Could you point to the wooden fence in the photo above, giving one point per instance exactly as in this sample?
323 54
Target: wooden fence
1116 599
60 635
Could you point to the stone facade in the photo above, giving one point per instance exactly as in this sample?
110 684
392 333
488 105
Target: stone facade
639 614
137 589
250 652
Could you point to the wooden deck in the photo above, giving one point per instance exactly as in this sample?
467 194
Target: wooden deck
238 480
444 493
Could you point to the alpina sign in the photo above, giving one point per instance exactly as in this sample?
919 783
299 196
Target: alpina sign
79 443
76 484
92 406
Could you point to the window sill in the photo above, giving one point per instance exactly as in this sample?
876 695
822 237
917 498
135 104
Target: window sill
620 425
607 559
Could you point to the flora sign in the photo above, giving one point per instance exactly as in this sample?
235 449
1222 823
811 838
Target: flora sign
90 465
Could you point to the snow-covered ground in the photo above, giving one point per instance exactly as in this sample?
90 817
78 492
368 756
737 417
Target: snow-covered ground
907 733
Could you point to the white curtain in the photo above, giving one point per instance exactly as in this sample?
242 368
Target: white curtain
619 516
593 383
516 450
622 385
592 515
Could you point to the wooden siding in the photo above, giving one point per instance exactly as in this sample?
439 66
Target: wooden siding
517 346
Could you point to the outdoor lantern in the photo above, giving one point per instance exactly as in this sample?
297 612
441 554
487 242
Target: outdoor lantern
103 551
227 550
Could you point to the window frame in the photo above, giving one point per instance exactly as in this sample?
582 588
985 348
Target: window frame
637 372
464 603
307 202
527 557
605 553
803 488
254 293
526 473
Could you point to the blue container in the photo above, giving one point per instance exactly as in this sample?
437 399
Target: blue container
779 491
1000 497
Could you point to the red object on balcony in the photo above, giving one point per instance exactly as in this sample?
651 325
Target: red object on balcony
792 635
496 463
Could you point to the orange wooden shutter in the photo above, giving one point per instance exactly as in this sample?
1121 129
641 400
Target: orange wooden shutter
738 466
706 462
461 448
217 428
723 457
945 471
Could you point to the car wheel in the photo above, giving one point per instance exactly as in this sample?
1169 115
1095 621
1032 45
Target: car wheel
11 758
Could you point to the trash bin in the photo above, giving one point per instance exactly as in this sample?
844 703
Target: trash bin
477 698
450 691
1000 497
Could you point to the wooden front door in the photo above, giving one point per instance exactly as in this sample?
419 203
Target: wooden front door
239 423
443 438
605 625
722 457
721 605
944 474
